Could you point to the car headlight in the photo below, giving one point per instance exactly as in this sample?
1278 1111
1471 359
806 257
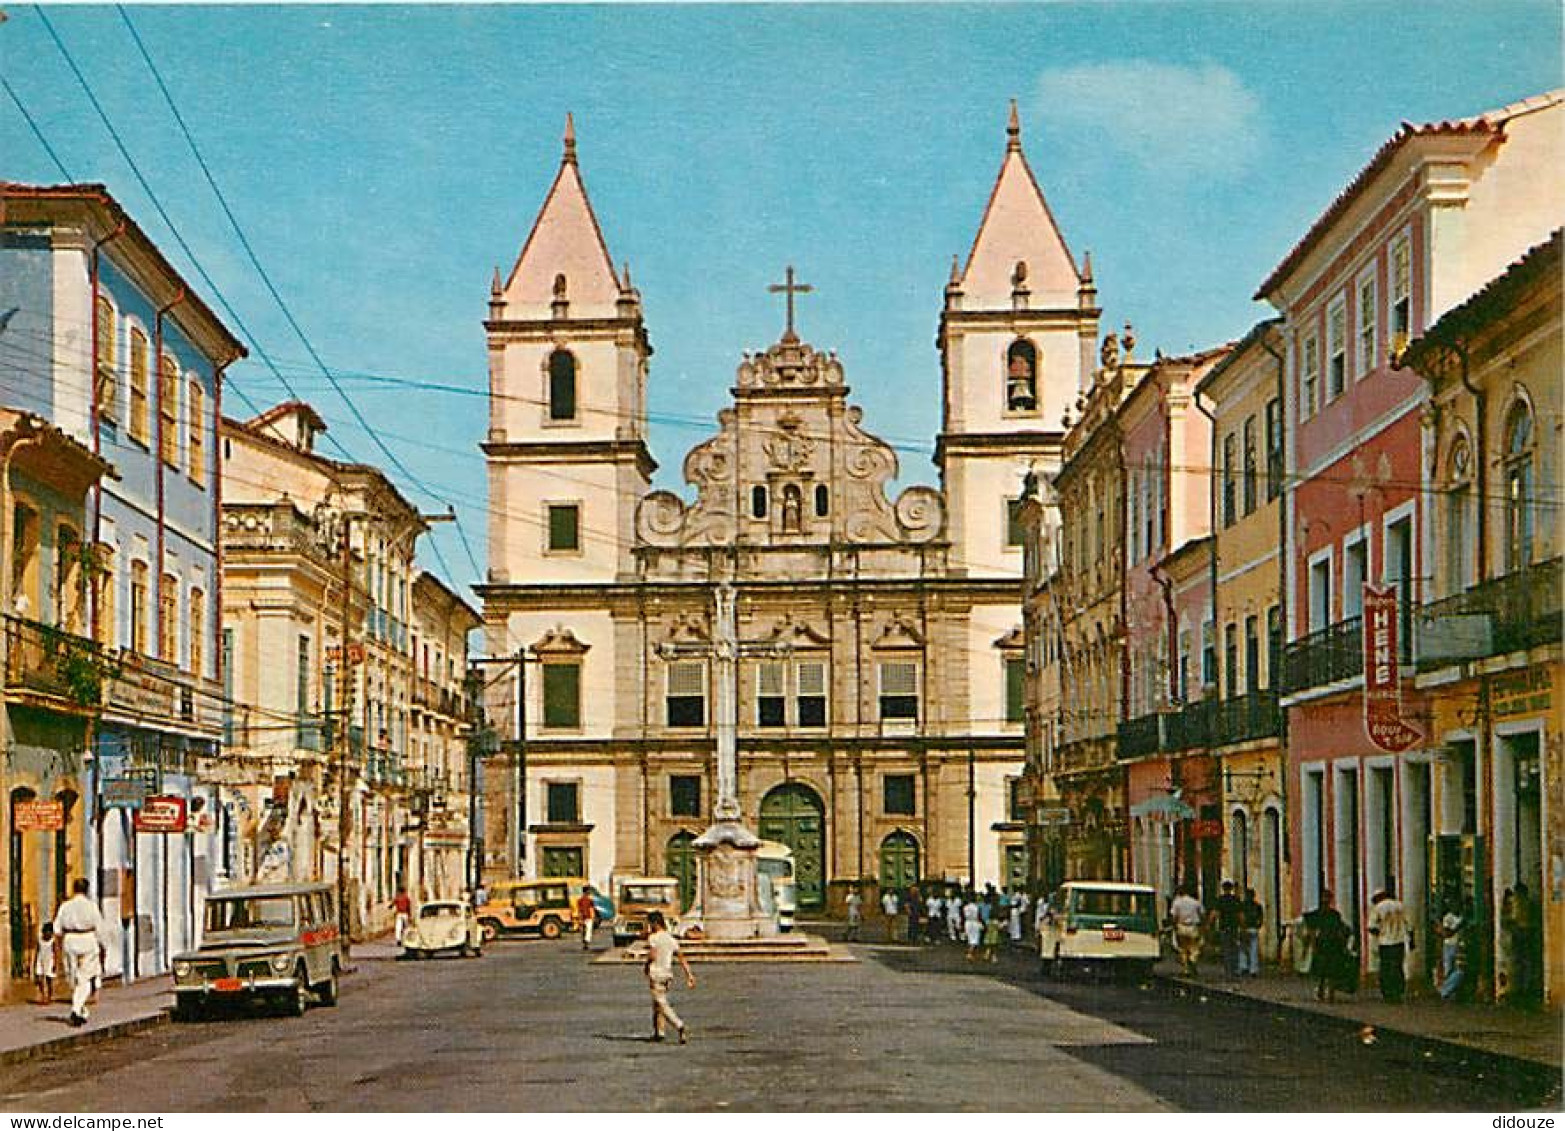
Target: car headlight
281 962
181 969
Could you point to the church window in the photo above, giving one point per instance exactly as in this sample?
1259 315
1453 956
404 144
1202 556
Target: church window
898 795
792 507
899 690
810 692
562 386
562 695
686 700
758 501
1021 376
770 702
564 528
684 795
822 500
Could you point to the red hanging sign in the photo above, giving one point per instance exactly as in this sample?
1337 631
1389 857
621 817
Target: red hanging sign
161 815
1383 720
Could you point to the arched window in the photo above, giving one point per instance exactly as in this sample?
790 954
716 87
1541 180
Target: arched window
1518 487
562 386
1459 518
1021 376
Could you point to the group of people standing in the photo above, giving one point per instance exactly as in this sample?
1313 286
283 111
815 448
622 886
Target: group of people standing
1234 920
983 921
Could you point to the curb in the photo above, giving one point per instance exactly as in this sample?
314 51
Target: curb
87 1037
1545 1072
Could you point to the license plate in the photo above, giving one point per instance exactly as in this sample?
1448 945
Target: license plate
228 985
1113 934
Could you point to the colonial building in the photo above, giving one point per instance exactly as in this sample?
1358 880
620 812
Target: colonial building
54 673
1243 392
879 710
121 352
317 605
1488 633
1439 210
438 755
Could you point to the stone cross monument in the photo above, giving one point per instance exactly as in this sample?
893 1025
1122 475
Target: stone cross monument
729 898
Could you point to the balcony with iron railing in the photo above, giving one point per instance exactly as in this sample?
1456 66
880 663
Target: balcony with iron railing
62 668
1139 737
1247 717
1325 656
1511 613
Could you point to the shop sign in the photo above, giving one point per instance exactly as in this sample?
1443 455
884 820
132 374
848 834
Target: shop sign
1521 693
1206 830
122 793
1383 721
1053 815
38 816
161 815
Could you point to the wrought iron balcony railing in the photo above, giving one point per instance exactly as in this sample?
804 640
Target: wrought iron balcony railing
1324 656
1510 613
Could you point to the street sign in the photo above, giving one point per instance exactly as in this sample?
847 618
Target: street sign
161 815
1059 815
38 816
122 793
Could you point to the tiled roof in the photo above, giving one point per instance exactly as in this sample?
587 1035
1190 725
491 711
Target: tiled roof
1490 123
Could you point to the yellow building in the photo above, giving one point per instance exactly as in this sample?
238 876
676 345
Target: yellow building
1243 395
311 542
1488 643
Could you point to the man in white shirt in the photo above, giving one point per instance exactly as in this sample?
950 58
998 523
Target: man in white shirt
662 952
1186 914
79 924
855 915
1388 925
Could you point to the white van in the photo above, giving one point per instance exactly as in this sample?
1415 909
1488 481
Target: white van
1099 923
774 860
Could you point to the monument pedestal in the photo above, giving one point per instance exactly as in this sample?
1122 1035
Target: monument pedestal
729 903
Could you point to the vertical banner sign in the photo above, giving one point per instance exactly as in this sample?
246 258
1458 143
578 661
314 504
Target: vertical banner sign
1382 673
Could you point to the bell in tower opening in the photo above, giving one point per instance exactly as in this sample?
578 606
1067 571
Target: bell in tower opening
1021 377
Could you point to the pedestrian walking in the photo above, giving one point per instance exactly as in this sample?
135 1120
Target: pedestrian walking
79 924
403 906
855 915
1388 926
586 916
1329 963
934 915
990 951
914 906
1015 920
662 952
1254 918
44 964
891 907
953 915
1041 912
1452 972
1228 918
972 926
1186 916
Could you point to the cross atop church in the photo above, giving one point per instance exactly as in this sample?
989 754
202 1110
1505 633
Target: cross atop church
790 288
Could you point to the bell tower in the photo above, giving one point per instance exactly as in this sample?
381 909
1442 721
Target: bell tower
1016 342
566 447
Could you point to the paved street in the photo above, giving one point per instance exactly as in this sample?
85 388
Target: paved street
535 1026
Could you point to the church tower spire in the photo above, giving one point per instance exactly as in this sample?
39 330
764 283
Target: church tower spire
568 354
1019 322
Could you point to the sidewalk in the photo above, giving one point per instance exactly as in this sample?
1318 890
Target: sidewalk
28 1030
1496 1030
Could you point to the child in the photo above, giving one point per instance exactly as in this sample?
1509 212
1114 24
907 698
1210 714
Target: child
43 964
991 947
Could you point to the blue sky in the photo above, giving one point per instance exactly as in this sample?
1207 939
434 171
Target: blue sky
383 160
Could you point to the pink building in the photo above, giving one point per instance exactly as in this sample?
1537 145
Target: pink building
1439 209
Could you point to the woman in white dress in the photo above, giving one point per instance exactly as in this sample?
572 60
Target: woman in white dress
972 927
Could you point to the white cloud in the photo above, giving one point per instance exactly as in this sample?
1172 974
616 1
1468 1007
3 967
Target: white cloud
1183 121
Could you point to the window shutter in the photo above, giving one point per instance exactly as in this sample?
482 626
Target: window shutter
812 678
898 678
687 679
769 680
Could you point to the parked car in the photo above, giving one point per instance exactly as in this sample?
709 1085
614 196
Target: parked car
443 926
1110 926
529 907
277 942
774 860
639 895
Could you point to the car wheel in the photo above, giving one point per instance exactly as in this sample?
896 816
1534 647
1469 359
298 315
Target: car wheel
550 929
298 1000
187 1009
490 929
327 990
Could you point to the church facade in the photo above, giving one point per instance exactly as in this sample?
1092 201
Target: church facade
879 703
